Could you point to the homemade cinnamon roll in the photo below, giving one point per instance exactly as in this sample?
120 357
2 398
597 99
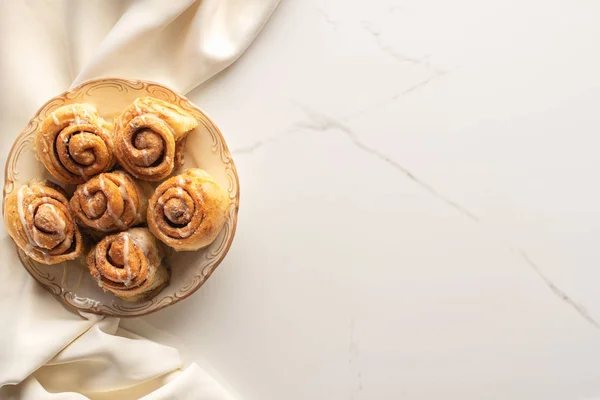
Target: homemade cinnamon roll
129 265
110 202
38 219
187 211
150 137
75 143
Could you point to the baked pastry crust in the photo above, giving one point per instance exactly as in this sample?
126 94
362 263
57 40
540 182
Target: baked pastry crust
130 265
150 137
187 212
75 143
110 202
38 218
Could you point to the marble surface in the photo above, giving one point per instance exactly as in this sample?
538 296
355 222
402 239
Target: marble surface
419 205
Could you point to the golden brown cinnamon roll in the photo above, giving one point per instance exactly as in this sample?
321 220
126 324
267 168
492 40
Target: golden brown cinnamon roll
75 143
129 265
188 211
38 219
110 202
150 136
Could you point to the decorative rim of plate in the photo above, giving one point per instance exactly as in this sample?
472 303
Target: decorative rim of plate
133 309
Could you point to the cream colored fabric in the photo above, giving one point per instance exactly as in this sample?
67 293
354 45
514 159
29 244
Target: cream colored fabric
47 350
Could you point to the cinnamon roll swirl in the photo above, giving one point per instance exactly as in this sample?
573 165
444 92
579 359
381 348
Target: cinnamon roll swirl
129 265
150 137
38 219
188 211
75 143
110 202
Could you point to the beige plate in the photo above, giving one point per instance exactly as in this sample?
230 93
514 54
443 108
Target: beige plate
205 149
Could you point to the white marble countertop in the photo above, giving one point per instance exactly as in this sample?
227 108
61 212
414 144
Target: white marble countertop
419 206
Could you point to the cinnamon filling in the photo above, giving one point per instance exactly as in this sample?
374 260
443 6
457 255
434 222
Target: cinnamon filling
116 253
95 206
177 212
152 147
81 147
82 150
49 227
47 220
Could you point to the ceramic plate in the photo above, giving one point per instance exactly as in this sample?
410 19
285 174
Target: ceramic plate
206 148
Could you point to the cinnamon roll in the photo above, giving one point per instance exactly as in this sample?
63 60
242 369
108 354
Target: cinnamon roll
110 202
75 143
38 219
129 265
187 211
150 137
